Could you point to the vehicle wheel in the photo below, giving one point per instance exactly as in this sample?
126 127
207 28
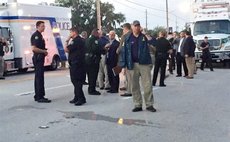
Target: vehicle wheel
23 70
5 73
224 64
55 63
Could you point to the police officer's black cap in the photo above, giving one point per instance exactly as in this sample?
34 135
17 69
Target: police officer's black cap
136 22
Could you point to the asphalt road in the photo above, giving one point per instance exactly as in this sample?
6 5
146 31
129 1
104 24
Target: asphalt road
195 110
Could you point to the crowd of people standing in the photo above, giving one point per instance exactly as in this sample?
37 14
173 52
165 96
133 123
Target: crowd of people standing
137 53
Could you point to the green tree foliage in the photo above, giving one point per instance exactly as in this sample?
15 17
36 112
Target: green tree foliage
119 31
156 30
84 14
109 18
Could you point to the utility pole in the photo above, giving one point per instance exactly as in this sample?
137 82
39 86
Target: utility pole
98 14
146 14
176 24
167 15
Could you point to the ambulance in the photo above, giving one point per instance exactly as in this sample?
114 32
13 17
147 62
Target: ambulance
17 24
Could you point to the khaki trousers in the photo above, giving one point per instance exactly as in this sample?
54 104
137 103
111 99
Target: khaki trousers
1 66
190 65
143 71
128 81
103 78
195 69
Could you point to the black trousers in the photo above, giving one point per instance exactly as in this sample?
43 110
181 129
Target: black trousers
180 60
113 80
172 61
39 88
92 73
77 74
160 63
78 92
206 58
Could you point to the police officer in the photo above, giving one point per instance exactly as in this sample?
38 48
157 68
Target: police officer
39 50
2 44
163 47
76 48
206 55
92 59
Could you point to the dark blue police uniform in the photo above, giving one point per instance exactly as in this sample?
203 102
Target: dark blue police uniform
162 48
77 68
206 56
38 61
92 59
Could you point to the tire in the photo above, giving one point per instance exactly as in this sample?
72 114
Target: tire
55 63
224 65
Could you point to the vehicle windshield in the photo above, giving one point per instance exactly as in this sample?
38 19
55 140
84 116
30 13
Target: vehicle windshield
4 32
212 27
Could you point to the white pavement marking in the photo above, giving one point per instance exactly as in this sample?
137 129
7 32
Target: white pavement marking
156 88
51 88
126 98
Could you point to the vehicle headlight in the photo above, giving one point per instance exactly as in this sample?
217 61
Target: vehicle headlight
227 47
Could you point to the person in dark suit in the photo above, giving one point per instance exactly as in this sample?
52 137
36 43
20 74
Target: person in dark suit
75 46
180 60
189 53
163 47
112 61
171 58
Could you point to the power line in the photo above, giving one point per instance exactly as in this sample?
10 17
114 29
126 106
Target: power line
155 9
178 17
136 9
145 6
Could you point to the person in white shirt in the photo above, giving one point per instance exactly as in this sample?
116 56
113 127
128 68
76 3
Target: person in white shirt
180 57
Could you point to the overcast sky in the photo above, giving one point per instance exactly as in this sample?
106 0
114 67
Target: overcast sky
156 9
